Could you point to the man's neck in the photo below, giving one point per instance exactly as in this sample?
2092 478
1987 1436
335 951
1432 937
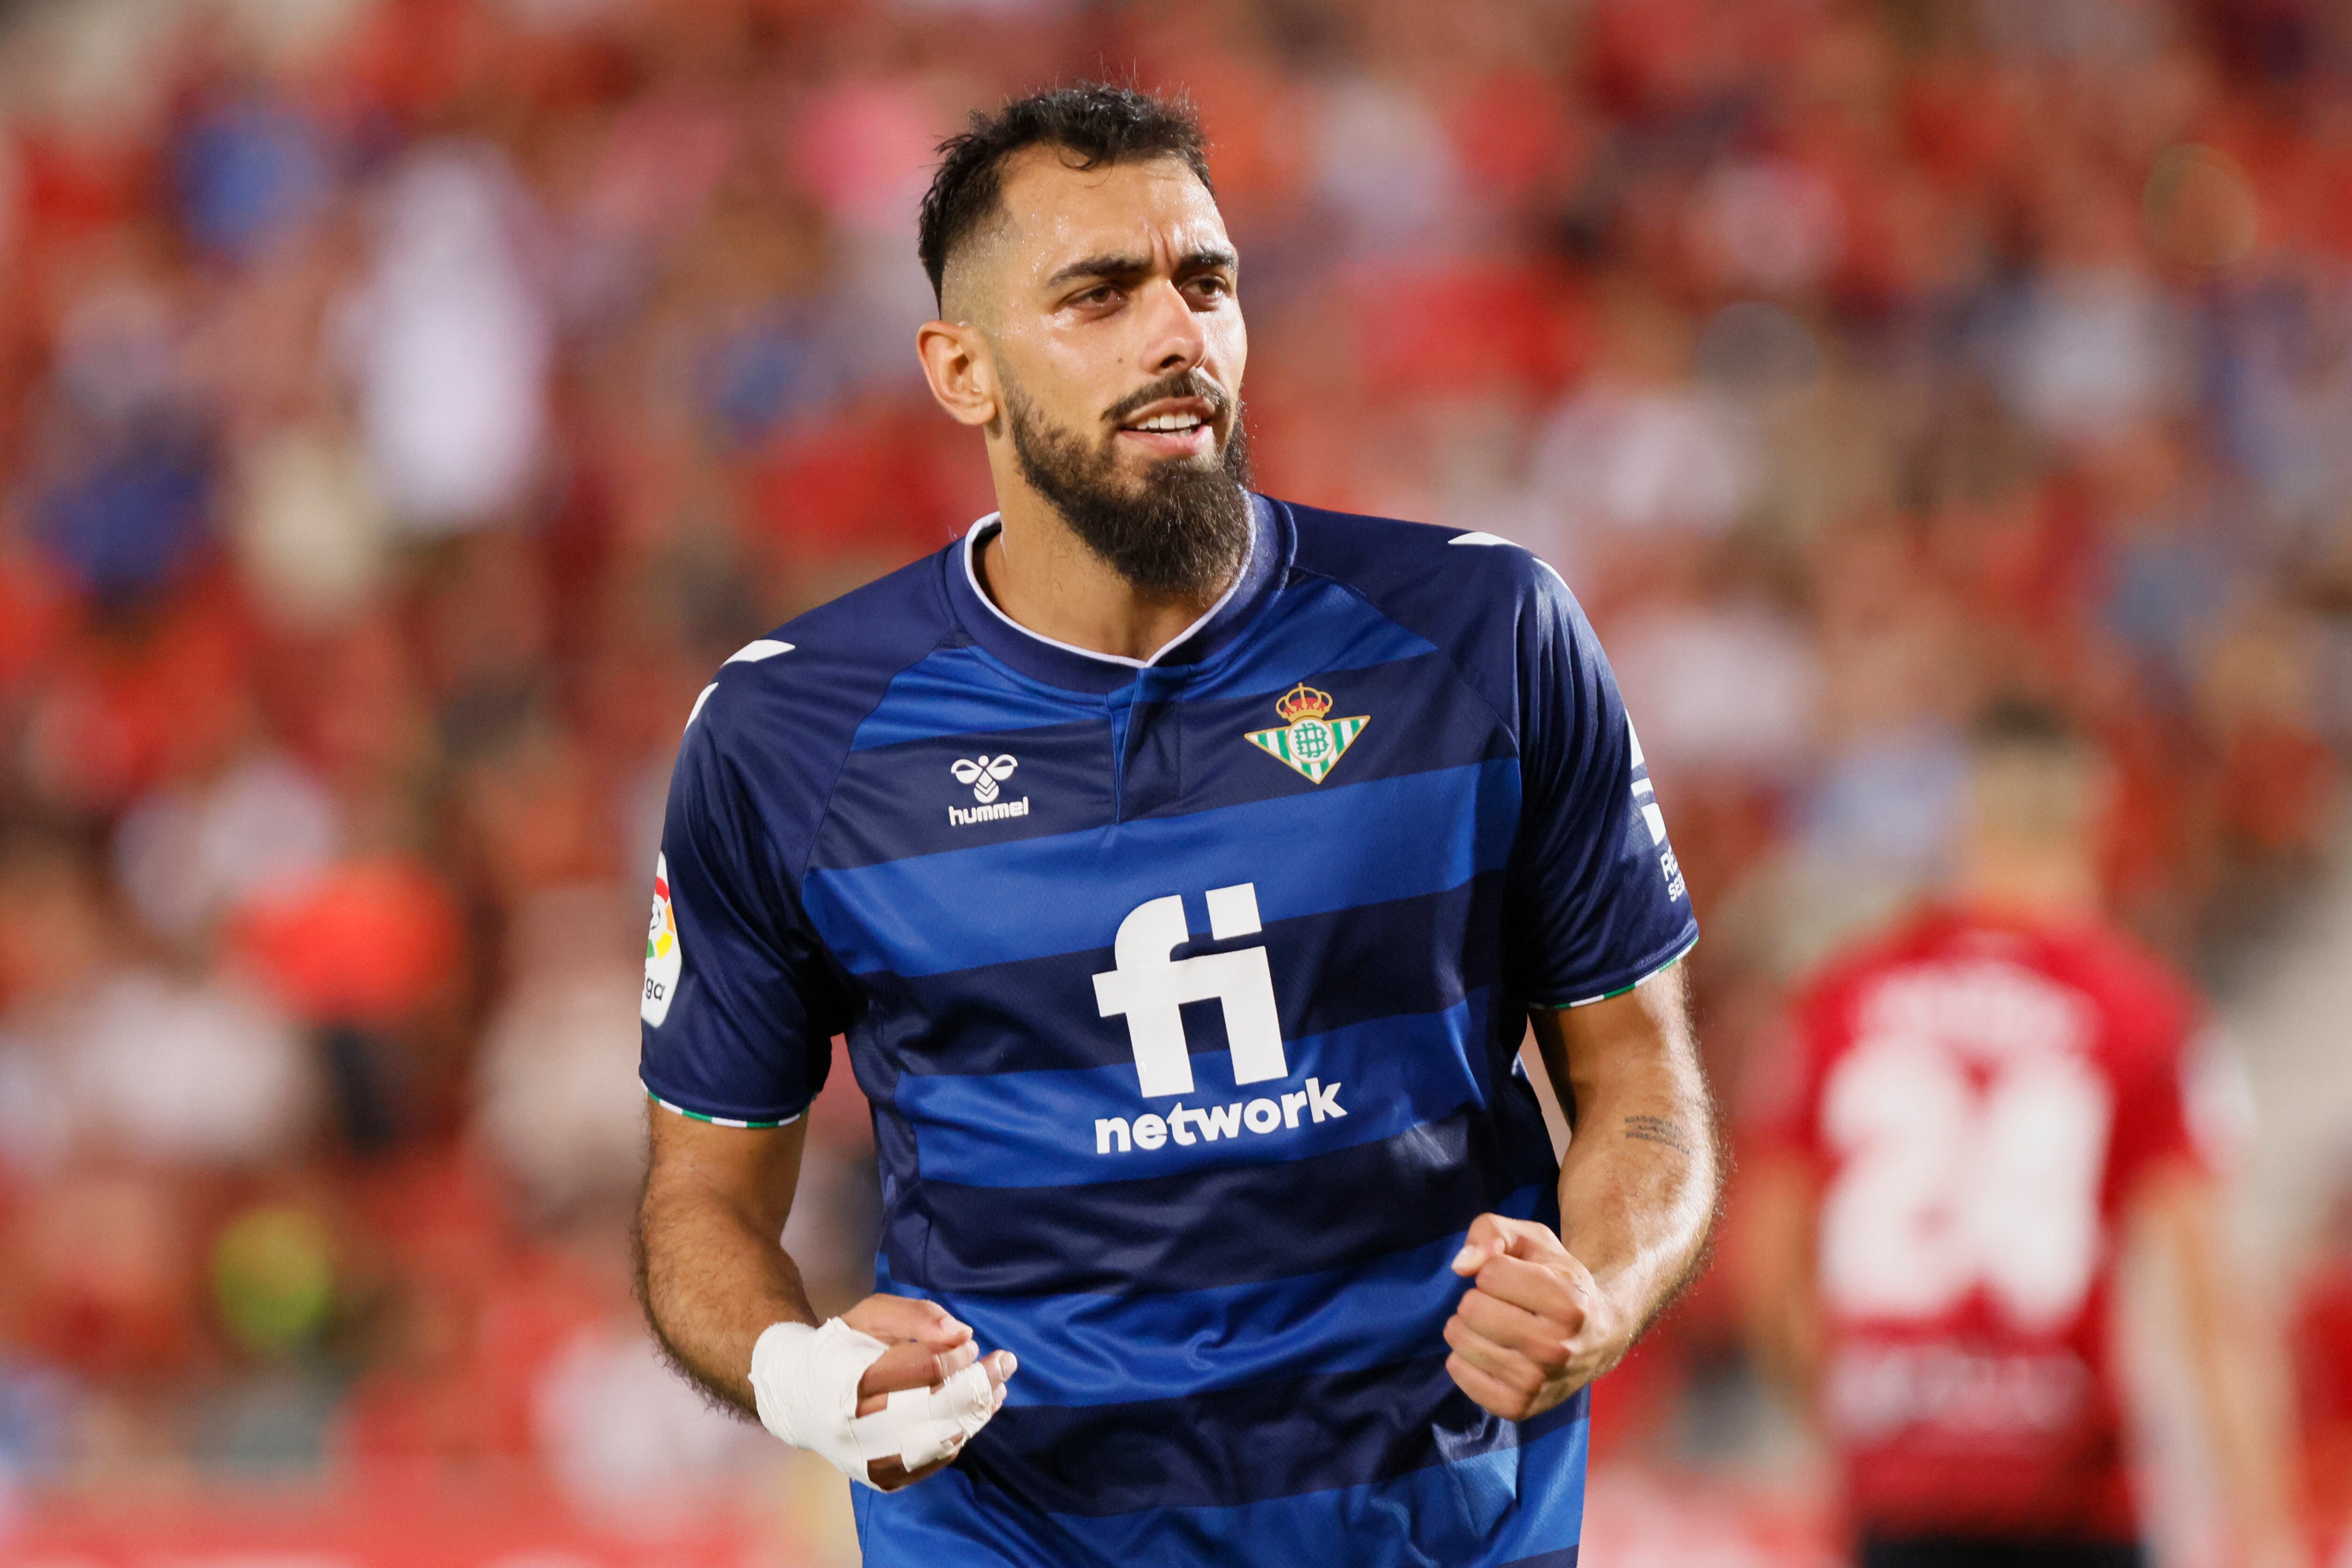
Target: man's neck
2054 882
1044 579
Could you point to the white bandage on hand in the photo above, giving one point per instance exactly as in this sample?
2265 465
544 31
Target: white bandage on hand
922 1425
804 1381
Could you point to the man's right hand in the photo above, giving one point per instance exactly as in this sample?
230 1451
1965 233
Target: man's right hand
927 1347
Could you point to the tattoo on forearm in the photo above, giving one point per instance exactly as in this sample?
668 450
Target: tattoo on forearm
1657 1130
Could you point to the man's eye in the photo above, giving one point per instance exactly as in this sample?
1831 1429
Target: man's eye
1101 293
1216 286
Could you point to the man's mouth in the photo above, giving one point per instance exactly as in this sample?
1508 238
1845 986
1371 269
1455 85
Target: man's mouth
1173 427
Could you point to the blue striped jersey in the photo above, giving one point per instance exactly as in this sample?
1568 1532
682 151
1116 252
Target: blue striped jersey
1187 994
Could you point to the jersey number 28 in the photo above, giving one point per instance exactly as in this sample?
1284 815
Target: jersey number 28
1948 1184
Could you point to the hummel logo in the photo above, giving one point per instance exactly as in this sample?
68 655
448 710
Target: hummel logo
984 773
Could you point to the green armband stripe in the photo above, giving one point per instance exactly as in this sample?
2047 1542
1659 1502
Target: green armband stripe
1682 953
720 1121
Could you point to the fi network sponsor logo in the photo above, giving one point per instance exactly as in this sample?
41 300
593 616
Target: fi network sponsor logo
1148 988
1189 1125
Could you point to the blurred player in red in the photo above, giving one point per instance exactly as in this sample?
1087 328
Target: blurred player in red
1987 1103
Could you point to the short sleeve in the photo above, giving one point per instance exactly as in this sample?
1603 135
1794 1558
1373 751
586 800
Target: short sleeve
1597 900
2184 1099
741 1001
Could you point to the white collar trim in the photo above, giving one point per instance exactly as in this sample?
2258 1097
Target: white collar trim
996 520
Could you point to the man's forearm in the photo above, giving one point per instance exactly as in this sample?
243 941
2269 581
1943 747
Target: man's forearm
1637 1199
1640 1180
2236 1361
712 1276
1774 1272
1547 1314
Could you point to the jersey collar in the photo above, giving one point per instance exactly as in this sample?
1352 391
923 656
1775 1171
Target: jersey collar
1080 669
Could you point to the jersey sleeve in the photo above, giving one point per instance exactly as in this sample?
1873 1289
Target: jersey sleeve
2177 1101
740 1000
1597 899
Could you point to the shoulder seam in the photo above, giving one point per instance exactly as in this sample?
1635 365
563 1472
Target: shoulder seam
1461 674
796 868
841 767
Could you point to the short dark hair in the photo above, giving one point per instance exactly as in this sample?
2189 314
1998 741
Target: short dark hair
1095 122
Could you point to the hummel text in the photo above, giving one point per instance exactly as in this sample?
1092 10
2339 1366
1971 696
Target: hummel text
965 816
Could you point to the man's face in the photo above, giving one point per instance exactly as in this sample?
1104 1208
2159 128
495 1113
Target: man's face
1104 282
1107 296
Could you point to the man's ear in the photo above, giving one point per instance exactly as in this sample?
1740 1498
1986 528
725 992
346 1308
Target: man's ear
955 362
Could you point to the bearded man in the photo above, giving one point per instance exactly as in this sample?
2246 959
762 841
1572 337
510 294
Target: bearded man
1185 868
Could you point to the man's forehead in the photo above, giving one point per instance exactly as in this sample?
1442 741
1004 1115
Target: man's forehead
1055 214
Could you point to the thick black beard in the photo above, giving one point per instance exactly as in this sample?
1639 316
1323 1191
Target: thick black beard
1182 533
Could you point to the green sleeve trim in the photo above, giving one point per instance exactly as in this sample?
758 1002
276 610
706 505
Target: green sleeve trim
720 1121
1680 953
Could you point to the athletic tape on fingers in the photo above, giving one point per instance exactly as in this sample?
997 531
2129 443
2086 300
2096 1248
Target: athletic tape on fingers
922 1425
804 1381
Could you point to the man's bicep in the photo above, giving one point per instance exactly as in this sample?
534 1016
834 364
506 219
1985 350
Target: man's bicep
753 1171
2175 1206
1780 1195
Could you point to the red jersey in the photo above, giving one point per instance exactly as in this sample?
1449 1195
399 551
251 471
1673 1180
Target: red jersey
1978 1096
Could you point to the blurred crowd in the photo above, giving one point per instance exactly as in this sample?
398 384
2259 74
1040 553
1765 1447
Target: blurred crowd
405 404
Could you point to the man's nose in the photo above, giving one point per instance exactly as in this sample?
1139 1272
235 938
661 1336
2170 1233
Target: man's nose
1175 340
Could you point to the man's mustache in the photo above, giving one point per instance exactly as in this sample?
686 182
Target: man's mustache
1185 384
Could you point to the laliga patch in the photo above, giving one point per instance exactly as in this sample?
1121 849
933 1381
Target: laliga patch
662 956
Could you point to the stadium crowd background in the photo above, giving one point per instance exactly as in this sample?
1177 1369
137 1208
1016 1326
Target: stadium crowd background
405 404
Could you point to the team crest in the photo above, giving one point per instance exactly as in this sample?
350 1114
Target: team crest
1310 742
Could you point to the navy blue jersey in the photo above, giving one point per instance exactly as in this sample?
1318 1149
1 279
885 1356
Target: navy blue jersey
1187 993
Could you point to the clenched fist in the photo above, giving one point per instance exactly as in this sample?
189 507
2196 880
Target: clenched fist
1534 1327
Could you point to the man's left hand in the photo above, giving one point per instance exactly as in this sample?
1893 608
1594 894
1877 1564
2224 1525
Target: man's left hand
1534 1327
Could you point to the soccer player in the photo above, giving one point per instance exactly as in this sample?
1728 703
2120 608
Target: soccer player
1989 1102
1184 867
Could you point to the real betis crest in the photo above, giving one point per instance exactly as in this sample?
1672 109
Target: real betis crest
1310 743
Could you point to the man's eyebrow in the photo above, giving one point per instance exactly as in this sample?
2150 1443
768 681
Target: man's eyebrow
1131 265
1209 261
1101 267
